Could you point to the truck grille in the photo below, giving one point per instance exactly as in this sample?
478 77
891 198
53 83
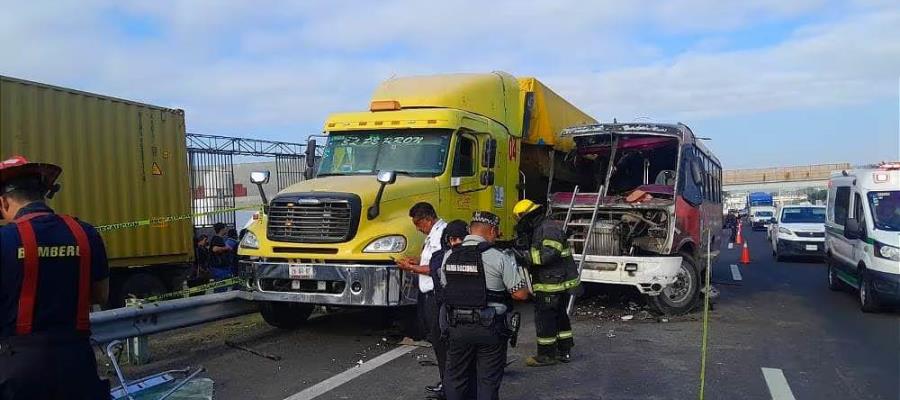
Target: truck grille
312 220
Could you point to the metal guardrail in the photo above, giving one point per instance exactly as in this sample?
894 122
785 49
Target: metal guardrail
147 319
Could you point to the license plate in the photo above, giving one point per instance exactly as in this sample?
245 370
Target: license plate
300 271
812 247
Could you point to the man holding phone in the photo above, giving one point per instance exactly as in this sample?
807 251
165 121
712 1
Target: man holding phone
426 220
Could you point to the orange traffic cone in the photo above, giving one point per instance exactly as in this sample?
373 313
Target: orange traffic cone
745 255
739 239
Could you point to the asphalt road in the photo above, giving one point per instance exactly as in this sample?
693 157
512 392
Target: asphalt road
813 343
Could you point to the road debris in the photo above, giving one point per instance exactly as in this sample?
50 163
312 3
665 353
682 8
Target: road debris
611 334
234 345
627 317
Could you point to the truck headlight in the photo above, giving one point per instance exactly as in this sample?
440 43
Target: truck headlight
884 251
250 241
386 244
785 231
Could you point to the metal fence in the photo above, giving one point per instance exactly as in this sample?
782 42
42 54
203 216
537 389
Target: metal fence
211 159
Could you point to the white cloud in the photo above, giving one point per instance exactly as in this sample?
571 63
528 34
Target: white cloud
238 67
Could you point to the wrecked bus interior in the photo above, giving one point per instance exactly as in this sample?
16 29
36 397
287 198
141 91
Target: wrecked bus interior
641 204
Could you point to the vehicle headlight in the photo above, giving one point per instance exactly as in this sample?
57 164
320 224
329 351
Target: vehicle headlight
884 251
386 244
785 231
250 241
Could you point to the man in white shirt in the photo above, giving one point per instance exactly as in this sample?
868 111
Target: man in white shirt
426 221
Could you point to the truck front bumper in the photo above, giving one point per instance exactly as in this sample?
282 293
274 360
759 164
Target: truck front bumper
650 275
329 283
800 247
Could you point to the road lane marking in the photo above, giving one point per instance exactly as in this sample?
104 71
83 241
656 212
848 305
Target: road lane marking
778 385
730 246
736 273
350 374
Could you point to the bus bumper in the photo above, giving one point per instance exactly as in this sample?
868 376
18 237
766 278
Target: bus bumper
649 275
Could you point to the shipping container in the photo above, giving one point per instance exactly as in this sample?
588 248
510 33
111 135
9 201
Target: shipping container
122 161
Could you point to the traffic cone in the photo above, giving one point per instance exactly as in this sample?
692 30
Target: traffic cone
739 239
745 255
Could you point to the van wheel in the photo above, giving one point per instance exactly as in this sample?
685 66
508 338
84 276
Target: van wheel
285 315
834 283
868 298
682 295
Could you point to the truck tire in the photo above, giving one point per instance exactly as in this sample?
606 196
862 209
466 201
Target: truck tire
681 296
140 285
834 283
868 298
284 315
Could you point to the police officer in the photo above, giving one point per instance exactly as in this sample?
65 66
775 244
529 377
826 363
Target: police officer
479 284
53 268
554 278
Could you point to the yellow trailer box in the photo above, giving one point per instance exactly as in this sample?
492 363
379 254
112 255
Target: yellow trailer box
549 115
122 161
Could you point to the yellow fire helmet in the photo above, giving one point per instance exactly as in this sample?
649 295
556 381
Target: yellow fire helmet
524 207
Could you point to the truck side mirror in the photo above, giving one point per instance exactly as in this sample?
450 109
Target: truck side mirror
851 229
260 178
310 157
384 178
310 153
489 160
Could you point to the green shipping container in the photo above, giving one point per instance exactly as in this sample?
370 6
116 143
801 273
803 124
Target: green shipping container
122 161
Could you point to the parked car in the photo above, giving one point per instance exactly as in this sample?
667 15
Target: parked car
862 234
798 230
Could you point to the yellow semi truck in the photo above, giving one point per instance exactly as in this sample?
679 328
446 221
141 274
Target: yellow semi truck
462 142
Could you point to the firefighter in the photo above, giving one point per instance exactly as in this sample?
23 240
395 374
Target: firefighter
554 278
479 284
53 267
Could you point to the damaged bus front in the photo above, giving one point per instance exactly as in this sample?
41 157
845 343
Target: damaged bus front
652 194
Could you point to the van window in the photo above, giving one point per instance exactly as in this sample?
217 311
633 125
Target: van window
841 204
858 212
464 158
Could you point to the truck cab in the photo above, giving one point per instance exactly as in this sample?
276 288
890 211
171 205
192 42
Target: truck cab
450 140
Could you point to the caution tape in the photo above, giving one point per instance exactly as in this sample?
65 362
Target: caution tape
164 220
196 289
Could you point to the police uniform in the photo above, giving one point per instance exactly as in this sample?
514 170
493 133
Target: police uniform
48 263
554 277
478 281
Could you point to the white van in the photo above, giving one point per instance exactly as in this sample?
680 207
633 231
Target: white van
862 240
761 217
798 230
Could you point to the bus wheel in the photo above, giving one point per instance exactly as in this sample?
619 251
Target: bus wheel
285 315
682 295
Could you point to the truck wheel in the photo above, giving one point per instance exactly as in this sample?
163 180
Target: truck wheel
834 283
682 295
140 285
868 298
285 315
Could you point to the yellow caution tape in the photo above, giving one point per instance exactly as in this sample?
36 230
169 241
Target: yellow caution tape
164 220
192 290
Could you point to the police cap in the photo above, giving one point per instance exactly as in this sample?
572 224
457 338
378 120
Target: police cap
486 217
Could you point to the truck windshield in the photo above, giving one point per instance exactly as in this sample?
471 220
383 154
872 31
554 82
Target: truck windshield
801 215
885 210
417 152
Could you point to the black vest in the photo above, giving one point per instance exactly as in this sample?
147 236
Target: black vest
466 286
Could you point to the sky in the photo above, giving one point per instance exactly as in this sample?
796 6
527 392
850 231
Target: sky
770 82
